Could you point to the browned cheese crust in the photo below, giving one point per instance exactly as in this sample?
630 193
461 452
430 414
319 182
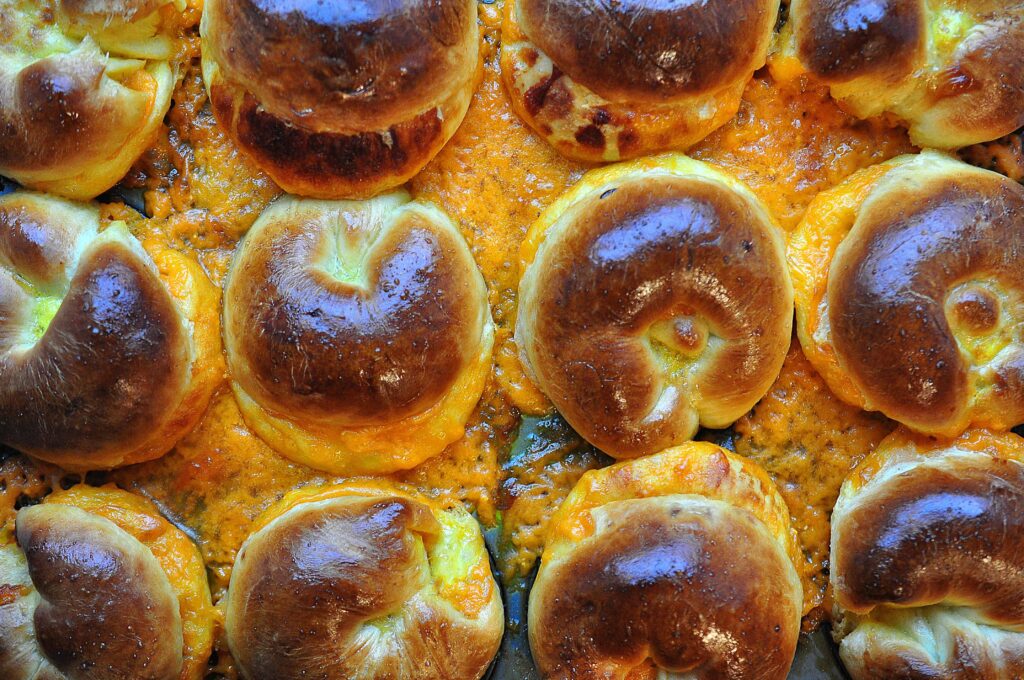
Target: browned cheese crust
340 100
928 557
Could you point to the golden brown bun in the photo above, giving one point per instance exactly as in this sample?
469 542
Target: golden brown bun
604 82
681 562
358 333
952 69
108 352
363 581
928 559
84 86
340 100
910 293
97 585
655 298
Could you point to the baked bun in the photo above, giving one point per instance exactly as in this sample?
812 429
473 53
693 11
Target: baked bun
910 293
96 585
952 69
928 559
109 350
654 298
678 563
604 82
358 333
84 87
340 100
360 582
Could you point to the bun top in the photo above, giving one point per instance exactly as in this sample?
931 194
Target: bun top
363 581
650 50
82 91
951 68
651 564
343 67
923 295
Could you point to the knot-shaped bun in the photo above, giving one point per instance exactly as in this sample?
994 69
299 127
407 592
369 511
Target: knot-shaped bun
358 333
678 563
655 298
98 586
84 87
928 559
340 100
109 352
604 82
363 581
952 69
910 293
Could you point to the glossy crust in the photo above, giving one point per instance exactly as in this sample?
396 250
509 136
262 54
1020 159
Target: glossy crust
108 351
928 557
96 585
655 298
681 562
910 294
340 100
84 87
611 81
360 582
952 69
358 333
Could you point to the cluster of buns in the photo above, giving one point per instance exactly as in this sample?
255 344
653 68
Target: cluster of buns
909 297
656 297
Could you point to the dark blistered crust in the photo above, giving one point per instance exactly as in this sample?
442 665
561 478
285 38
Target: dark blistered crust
107 368
305 585
105 600
653 250
840 40
932 534
670 582
889 282
345 67
325 163
649 50
314 346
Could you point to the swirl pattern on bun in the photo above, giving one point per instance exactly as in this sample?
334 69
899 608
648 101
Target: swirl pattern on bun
655 298
96 585
84 87
109 351
678 563
952 69
928 559
340 100
604 82
910 293
358 333
363 581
